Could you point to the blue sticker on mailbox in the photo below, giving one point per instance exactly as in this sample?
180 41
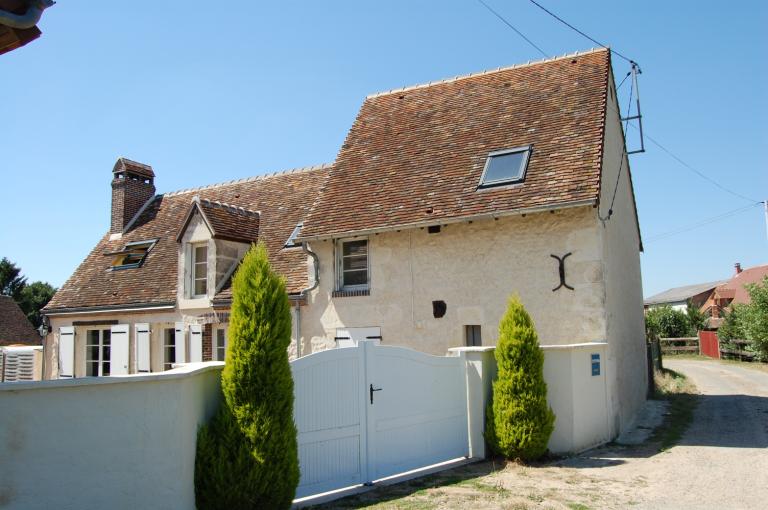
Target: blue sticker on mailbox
595 364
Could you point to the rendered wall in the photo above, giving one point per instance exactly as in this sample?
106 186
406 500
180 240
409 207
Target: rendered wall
114 442
474 268
625 333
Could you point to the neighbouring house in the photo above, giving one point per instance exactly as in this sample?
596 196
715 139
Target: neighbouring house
20 344
443 200
678 297
733 291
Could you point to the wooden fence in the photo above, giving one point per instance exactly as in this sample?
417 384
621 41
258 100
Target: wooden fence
684 345
737 349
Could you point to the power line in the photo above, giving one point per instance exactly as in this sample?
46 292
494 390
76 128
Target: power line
561 20
701 223
513 28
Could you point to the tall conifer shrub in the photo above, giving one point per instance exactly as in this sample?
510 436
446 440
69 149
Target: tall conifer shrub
247 456
518 420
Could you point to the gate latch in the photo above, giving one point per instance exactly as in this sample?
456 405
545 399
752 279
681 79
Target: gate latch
372 389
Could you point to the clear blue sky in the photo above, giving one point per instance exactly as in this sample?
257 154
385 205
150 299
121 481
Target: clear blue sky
206 95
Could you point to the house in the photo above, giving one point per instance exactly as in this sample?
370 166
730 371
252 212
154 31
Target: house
678 297
733 291
444 199
20 345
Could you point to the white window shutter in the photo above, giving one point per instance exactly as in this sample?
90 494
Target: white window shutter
195 343
118 350
181 344
66 351
142 347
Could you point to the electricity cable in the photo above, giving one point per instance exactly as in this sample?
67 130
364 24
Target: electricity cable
513 28
701 223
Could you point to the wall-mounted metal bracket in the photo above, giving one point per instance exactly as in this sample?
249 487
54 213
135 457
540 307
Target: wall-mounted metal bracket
561 268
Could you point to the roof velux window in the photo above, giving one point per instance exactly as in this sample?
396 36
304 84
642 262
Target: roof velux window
132 255
291 242
505 167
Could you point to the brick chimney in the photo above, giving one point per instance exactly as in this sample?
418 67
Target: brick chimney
737 266
132 185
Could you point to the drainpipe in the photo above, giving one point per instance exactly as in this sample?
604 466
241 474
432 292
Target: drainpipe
27 20
305 293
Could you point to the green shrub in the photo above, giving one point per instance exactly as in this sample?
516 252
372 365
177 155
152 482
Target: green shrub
519 421
247 457
667 322
697 320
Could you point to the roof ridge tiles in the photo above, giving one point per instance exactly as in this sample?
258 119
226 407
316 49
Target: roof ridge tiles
254 178
236 209
483 73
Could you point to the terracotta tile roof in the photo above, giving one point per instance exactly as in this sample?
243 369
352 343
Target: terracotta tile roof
423 149
15 328
735 287
282 200
225 221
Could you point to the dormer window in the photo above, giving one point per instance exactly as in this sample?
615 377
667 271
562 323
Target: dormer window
291 242
132 255
199 270
506 166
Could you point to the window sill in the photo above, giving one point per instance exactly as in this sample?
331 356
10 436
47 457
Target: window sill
351 293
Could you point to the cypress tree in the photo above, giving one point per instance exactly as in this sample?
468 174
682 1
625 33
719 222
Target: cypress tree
247 456
518 420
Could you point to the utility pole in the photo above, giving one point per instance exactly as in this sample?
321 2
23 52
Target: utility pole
765 205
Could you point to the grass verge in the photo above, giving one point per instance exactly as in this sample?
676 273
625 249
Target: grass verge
681 394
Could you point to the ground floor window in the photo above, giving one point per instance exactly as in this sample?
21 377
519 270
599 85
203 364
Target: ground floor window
220 344
472 336
97 352
169 348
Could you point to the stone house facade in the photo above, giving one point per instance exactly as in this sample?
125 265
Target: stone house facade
443 201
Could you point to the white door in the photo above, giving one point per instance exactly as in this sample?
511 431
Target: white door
66 352
195 343
142 348
367 412
349 337
119 351
181 343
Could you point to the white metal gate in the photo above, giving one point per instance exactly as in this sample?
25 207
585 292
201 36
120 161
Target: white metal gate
370 411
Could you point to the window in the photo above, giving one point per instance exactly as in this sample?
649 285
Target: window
291 242
169 348
505 167
199 270
97 352
132 255
220 345
353 264
472 336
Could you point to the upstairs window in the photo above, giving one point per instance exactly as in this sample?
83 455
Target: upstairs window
199 270
353 264
291 242
505 167
132 255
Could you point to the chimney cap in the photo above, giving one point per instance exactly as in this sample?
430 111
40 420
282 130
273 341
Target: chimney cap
737 266
133 167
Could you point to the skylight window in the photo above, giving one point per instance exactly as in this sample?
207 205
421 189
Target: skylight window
132 255
505 167
291 242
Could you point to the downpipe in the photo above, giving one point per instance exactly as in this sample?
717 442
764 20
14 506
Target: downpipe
305 292
27 20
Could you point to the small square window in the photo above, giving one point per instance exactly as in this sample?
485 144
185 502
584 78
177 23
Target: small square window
505 167
472 336
352 264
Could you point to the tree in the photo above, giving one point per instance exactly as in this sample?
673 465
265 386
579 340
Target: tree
731 327
667 322
754 320
247 457
697 320
11 281
519 420
33 298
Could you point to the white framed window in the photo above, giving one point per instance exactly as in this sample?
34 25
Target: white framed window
220 344
199 270
169 348
97 352
353 268
506 166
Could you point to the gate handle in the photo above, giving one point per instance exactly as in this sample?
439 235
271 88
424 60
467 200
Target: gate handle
372 390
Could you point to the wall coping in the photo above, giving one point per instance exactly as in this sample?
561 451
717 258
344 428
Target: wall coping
482 348
584 345
180 372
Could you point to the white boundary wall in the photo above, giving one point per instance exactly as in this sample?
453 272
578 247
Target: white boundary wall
115 442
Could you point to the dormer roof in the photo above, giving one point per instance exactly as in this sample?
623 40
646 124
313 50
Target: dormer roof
224 221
